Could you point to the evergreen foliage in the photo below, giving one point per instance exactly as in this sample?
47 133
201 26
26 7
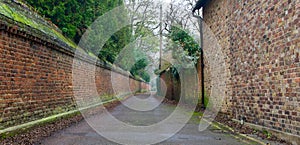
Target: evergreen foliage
74 17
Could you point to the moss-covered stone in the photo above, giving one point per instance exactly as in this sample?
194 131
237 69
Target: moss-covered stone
14 13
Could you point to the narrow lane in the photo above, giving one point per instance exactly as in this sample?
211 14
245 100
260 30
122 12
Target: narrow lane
83 134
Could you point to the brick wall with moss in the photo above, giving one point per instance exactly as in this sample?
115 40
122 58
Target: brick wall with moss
261 41
36 69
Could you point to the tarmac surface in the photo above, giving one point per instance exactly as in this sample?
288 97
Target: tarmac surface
83 134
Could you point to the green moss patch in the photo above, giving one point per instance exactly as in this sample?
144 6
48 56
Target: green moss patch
20 16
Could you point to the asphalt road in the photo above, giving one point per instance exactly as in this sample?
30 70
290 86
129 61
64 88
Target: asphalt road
83 134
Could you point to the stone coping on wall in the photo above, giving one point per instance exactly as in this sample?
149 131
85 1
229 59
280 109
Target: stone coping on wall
21 13
30 12
35 35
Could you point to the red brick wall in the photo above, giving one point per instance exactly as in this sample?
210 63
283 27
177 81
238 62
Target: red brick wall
261 41
36 76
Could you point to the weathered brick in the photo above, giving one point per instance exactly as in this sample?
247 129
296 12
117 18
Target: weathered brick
36 78
264 36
